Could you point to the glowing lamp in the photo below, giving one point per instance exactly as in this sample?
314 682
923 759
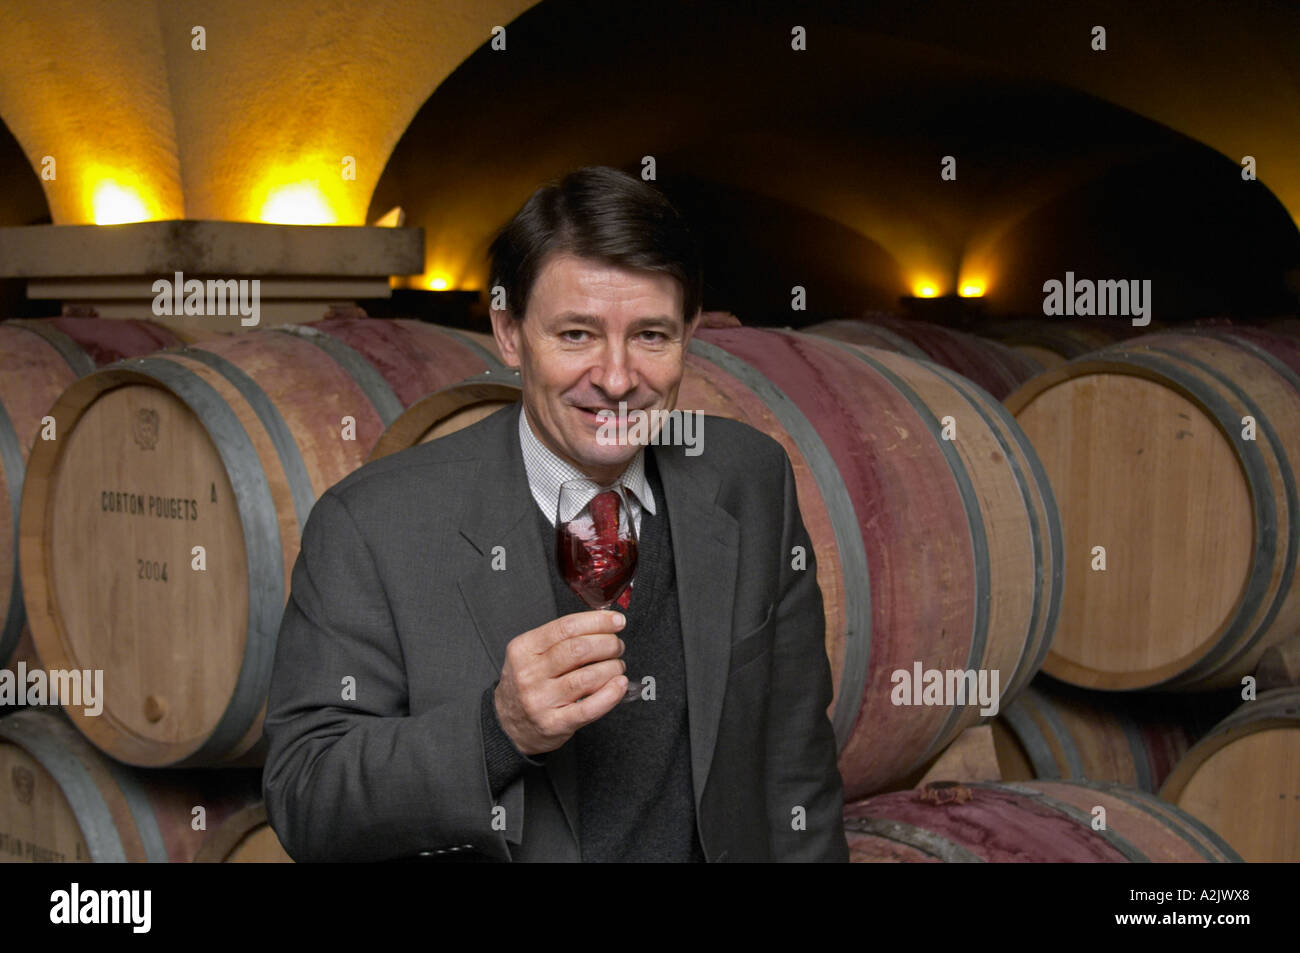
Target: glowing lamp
298 204
112 204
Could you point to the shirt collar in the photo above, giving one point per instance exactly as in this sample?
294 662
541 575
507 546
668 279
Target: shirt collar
546 472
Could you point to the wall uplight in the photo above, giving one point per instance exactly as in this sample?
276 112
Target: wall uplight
300 203
113 204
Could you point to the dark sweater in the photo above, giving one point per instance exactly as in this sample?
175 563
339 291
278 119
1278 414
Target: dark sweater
635 798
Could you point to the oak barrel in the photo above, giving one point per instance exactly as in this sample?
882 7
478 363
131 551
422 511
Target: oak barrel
245 837
39 358
1171 459
1131 740
995 367
224 445
62 800
1243 778
1028 822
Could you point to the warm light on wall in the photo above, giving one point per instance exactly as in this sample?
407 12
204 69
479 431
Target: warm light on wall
114 204
300 203
972 289
925 289
438 283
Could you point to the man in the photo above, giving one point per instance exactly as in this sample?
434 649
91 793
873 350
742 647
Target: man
437 688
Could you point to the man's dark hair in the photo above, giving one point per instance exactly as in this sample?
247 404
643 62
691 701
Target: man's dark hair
603 214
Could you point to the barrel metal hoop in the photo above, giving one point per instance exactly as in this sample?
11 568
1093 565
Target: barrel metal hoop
976 534
1056 544
1031 739
367 378
11 462
281 437
1044 708
1137 746
146 822
1184 824
1114 839
844 524
257 517
1225 651
71 352
1257 480
488 357
94 818
927 842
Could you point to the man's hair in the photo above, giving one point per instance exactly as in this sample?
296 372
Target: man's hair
603 214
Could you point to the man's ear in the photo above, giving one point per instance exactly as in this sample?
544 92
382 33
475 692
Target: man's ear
506 330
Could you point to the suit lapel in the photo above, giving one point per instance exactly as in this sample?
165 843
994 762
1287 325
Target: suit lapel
706 547
506 603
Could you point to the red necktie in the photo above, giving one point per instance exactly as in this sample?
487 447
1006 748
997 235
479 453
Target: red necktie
604 514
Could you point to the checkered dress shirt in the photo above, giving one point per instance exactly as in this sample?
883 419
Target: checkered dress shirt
546 472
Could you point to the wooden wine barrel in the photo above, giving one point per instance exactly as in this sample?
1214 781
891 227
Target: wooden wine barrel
1052 342
869 335
245 837
39 358
993 366
1143 444
1243 778
1027 822
931 552
225 445
939 552
450 409
1135 741
62 800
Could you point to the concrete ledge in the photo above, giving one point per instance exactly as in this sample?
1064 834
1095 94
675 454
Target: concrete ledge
158 249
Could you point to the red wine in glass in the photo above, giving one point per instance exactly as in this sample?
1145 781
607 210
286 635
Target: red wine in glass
595 545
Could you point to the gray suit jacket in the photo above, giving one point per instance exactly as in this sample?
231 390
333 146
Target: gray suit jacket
398 621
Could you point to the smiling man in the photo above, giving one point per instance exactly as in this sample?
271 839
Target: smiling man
487 716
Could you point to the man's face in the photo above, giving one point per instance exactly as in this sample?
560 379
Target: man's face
594 335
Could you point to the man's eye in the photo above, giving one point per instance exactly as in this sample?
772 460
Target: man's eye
569 335
655 337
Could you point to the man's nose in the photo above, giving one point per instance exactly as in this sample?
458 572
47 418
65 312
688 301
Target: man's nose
613 374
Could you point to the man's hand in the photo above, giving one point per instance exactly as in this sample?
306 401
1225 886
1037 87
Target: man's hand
559 677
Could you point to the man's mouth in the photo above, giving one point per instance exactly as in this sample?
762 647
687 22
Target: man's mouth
592 412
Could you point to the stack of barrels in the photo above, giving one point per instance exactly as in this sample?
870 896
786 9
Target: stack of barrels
952 532
131 457
1172 459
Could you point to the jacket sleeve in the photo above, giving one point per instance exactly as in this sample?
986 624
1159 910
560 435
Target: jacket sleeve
802 769
350 774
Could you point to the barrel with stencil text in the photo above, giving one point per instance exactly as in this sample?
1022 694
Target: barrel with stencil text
931 549
1028 822
158 533
61 800
39 358
1171 456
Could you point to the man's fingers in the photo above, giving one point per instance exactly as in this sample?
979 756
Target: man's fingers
586 680
575 624
581 650
600 703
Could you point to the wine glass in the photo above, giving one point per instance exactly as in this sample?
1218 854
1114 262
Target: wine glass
595 545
